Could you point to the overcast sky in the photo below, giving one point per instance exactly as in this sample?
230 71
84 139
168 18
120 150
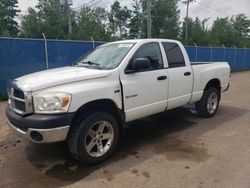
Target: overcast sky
201 8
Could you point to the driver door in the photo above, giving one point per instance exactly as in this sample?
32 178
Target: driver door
145 92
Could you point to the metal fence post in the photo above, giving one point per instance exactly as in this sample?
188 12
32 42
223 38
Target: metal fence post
46 51
245 54
196 52
224 53
234 56
93 42
211 52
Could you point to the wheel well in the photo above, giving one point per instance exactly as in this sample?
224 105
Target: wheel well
214 83
106 105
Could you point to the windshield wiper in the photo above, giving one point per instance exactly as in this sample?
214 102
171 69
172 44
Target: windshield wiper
91 63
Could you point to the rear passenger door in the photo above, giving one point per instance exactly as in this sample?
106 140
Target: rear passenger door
179 74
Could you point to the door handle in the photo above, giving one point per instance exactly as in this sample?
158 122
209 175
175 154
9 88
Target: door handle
162 78
187 73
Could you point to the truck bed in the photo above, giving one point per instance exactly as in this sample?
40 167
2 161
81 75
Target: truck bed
204 71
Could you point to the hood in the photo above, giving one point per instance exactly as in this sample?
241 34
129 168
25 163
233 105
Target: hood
58 76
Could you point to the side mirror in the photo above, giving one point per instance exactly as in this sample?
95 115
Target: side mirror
139 65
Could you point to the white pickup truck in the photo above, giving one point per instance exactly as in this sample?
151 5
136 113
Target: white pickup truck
89 103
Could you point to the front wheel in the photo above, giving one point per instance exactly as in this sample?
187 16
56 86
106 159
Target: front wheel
209 103
94 138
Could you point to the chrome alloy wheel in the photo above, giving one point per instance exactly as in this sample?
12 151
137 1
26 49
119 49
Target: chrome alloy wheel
99 138
212 103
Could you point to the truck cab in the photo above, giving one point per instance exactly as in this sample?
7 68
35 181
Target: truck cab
154 89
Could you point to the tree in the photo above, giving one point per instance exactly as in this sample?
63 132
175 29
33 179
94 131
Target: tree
122 23
190 30
227 31
241 27
241 24
91 22
230 32
165 18
197 33
49 19
54 19
221 33
119 18
8 13
247 44
31 25
136 21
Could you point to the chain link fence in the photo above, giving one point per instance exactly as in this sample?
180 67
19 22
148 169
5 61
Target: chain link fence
23 56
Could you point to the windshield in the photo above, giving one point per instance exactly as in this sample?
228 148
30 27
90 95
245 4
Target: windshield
106 57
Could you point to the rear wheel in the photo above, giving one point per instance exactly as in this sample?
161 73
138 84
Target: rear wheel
209 103
94 138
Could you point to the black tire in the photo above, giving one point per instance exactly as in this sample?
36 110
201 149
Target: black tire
201 106
78 133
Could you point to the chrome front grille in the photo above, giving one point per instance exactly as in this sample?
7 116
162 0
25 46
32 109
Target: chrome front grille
18 93
19 105
20 101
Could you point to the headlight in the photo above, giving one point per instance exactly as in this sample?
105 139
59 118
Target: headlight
52 102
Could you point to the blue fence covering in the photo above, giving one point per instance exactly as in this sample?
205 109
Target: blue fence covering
238 58
23 56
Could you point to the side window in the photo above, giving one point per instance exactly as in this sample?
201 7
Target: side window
152 52
174 55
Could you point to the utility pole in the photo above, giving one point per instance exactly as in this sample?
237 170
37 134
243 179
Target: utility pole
65 7
69 18
149 21
68 3
186 32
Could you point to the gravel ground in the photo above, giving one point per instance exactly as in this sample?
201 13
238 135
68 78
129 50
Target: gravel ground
173 149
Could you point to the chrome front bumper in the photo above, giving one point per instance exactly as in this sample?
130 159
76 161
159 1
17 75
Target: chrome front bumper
40 128
43 135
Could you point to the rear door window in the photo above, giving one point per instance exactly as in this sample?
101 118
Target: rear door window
174 55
